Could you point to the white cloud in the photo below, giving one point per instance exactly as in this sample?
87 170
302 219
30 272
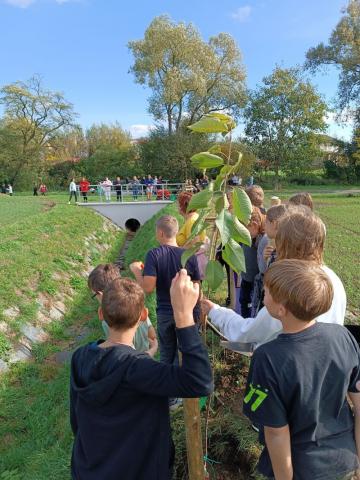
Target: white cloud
140 130
242 14
20 3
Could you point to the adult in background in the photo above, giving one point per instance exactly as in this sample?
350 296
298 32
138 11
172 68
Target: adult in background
35 190
107 184
10 190
72 190
161 265
117 186
84 188
183 236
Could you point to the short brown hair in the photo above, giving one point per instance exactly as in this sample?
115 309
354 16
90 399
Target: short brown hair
258 218
256 195
101 276
122 303
168 225
302 198
301 287
300 235
276 212
184 200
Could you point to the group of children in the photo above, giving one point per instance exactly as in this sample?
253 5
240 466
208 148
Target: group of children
304 367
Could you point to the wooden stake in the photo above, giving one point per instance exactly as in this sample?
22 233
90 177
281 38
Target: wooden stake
194 447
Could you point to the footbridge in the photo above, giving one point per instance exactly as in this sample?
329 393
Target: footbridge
119 212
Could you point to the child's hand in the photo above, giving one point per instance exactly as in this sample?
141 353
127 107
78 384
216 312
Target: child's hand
268 251
184 296
206 305
136 267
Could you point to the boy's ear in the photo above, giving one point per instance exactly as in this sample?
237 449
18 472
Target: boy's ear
100 314
283 311
144 315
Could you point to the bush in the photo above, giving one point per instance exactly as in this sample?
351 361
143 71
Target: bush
348 173
308 179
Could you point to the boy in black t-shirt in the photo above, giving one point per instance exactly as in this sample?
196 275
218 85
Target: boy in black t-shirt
298 383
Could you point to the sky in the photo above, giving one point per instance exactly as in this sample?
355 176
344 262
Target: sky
79 47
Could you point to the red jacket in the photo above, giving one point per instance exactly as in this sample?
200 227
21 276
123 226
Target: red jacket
84 186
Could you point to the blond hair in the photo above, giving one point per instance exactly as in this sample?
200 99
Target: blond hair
276 212
302 198
256 195
300 234
168 225
302 287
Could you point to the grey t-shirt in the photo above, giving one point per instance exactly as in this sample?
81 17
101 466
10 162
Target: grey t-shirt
301 380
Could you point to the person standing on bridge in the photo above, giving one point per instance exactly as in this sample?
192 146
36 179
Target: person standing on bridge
117 185
149 182
73 190
107 184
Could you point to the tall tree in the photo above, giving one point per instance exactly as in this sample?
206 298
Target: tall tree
105 136
35 115
342 51
282 117
188 76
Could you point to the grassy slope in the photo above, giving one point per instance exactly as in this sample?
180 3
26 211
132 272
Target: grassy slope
35 438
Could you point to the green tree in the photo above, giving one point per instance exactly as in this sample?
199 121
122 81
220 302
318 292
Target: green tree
34 114
105 136
281 119
343 52
188 76
169 155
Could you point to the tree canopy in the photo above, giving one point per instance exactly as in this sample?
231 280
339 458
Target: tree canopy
342 51
33 116
281 119
188 76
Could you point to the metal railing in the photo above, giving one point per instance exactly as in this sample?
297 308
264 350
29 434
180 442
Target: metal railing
131 192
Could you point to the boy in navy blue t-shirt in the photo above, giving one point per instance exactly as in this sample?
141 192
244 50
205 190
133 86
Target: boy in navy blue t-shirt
298 383
161 265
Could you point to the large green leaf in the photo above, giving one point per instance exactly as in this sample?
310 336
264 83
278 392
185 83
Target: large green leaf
241 205
200 200
239 232
189 252
206 160
221 176
200 225
221 203
233 255
208 124
223 117
214 274
223 226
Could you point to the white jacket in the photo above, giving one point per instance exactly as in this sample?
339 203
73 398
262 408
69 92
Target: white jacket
264 327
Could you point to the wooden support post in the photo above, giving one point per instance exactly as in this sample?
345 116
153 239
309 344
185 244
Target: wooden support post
195 455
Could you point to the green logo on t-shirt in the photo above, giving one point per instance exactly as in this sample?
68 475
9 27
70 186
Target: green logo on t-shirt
260 396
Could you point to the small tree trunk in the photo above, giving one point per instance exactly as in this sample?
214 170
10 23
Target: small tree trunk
195 455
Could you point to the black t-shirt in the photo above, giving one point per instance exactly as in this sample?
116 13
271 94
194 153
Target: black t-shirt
163 263
301 380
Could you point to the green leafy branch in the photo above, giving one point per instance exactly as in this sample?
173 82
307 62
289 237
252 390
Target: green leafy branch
224 226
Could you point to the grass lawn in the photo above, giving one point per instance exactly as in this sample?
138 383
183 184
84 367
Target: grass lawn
35 438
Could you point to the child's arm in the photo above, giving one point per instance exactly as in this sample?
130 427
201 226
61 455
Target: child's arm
152 342
355 400
278 444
